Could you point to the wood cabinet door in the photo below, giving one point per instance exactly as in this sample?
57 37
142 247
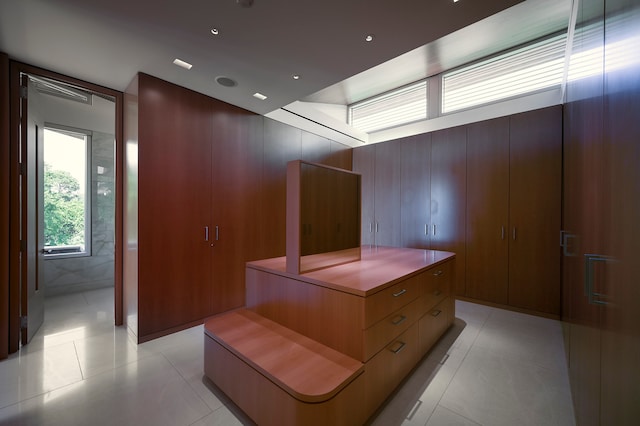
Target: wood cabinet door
387 195
237 172
364 160
535 178
415 185
174 201
448 197
488 210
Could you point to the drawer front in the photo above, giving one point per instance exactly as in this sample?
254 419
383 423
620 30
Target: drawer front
437 284
387 369
383 303
384 331
434 323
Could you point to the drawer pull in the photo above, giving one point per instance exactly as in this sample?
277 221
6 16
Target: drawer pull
438 273
400 347
436 313
399 320
400 293
437 293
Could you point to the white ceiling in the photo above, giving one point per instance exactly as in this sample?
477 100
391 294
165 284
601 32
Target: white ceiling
108 41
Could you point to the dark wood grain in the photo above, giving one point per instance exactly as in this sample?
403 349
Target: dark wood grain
5 167
387 228
175 199
535 179
364 161
487 241
448 197
416 191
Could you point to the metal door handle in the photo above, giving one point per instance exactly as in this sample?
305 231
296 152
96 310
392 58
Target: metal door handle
502 232
514 233
400 293
206 233
399 348
589 260
217 233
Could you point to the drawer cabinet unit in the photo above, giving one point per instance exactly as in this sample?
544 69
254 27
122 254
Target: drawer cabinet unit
385 310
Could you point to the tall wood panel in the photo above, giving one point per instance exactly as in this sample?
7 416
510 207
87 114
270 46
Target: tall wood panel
416 191
282 144
535 179
237 170
448 196
341 156
174 202
364 162
487 248
620 290
387 195
314 148
5 167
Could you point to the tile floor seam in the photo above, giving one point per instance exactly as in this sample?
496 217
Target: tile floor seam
75 350
461 415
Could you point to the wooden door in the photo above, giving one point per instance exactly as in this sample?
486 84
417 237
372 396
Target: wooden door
488 210
535 179
582 234
364 160
620 385
387 195
237 171
415 187
448 197
174 201
314 148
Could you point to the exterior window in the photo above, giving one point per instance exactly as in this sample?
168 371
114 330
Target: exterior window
531 68
401 106
67 214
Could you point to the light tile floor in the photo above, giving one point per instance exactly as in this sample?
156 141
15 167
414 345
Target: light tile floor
493 367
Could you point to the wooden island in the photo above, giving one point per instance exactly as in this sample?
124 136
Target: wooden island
330 345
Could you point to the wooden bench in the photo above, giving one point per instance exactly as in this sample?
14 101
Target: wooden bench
280 377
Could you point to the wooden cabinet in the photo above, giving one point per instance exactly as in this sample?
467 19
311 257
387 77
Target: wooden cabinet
487 233
205 192
386 310
415 191
380 167
173 251
448 197
514 167
535 199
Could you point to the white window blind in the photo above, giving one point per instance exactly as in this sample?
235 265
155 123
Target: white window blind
527 69
400 106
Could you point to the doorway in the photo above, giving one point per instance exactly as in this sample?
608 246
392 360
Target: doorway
66 190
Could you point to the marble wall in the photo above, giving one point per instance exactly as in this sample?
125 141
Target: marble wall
72 274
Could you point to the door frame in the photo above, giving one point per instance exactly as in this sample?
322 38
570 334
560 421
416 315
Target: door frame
17 269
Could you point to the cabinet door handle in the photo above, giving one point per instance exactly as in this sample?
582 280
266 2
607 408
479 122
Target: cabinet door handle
434 229
426 229
376 226
206 233
436 313
514 233
217 233
370 227
400 347
502 233
589 260
399 320
400 293
438 273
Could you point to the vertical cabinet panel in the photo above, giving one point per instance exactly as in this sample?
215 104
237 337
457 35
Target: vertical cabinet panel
364 161
237 171
488 210
416 191
282 143
535 179
448 197
174 195
387 195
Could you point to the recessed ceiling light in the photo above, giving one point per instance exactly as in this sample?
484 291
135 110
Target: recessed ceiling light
369 38
215 31
183 64
259 96
296 76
